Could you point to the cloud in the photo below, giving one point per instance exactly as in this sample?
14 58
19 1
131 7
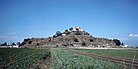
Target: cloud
133 35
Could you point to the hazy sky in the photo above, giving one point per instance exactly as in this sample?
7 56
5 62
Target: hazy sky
21 19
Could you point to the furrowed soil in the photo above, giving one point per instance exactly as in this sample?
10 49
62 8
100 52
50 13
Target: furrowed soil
124 61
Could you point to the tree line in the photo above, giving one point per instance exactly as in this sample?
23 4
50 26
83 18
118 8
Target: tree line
10 44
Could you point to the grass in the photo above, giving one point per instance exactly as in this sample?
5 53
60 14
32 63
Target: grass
113 53
64 59
21 58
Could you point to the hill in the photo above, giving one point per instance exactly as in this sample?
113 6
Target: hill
74 37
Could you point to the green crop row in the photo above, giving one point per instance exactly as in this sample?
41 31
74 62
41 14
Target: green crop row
64 59
21 58
114 53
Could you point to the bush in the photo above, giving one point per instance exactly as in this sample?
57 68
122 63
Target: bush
30 42
86 33
13 43
76 40
71 28
25 40
4 44
91 40
66 32
117 42
58 33
54 36
71 45
83 44
37 44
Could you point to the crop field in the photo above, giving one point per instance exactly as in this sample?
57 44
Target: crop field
21 58
131 53
65 58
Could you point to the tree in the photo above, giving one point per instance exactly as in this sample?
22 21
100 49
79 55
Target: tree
37 44
4 44
18 43
66 32
30 42
54 36
23 43
58 33
122 43
117 42
76 40
71 28
25 40
86 33
83 44
13 44
91 40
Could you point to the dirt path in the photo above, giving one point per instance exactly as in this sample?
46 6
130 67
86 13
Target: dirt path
132 63
44 63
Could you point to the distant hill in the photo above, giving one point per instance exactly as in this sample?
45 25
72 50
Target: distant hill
74 37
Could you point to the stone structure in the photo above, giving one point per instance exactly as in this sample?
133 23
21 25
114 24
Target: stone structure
77 29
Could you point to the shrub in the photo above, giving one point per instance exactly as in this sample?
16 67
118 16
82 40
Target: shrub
76 40
13 43
30 42
37 44
54 36
4 44
83 44
91 40
71 28
117 42
86 33
58 33
66 32
71 45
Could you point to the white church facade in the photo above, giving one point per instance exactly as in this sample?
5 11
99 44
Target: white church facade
77 29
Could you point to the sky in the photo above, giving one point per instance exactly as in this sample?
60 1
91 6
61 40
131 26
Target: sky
20 19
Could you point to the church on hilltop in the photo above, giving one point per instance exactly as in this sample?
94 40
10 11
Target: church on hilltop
77 29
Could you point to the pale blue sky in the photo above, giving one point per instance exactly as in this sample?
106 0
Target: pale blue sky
21 19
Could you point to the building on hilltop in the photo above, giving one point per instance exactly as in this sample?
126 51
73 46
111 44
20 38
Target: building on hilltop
77 29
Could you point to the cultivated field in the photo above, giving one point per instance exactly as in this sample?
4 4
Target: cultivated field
20 58
67 58
123 53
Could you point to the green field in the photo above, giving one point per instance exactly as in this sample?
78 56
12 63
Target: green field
61 58
132 53
22 58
